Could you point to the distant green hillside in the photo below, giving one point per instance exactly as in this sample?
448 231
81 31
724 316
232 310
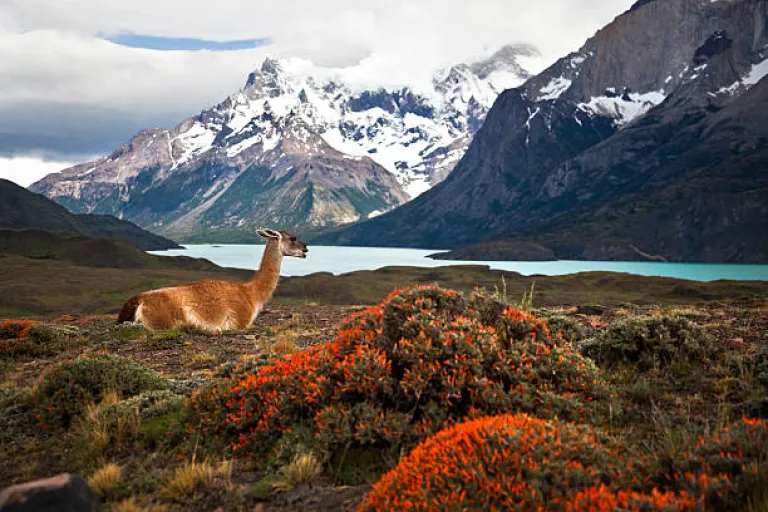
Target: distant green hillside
22 209
90 251
44 273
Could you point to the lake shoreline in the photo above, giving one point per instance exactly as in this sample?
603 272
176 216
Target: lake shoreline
342 260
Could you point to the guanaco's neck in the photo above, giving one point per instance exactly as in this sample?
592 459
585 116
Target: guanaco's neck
265 280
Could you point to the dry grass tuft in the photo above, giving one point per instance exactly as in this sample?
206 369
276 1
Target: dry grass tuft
224 471
302 469
105 479
95 429
130 505
110 397
202 360
187 478
285 343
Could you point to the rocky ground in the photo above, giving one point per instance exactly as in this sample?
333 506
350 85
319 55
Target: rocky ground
657 403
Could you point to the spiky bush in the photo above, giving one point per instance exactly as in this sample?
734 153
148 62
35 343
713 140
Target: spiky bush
25 338
13 329
508 462
571 329
69 386
651 342
150 404
602 499
397 372
729 466
13 338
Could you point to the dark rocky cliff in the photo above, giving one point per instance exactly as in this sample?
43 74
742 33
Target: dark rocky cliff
649 142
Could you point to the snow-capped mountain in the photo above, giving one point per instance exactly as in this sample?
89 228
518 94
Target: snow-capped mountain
418 137
648 142
382 146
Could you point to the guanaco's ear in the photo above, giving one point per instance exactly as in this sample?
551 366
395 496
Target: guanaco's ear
268 233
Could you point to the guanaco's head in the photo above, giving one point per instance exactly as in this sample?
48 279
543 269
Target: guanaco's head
289 244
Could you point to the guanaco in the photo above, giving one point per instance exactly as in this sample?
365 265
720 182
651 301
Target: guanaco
211 305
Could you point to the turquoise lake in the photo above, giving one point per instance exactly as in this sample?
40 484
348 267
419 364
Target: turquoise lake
340 260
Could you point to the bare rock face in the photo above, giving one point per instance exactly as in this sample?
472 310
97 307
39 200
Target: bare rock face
61 493
650 142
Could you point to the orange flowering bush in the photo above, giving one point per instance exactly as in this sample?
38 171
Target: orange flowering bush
727 467
602 499
515 462
12 334
30 338
397 372
14 329
256 400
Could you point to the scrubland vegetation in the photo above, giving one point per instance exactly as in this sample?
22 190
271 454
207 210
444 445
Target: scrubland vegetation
430 400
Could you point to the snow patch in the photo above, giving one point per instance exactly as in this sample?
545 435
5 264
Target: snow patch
417 187
196 141
623 111
756 73
697 71
555 88
531 115
577 60
375 213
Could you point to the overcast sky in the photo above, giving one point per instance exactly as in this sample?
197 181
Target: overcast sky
78 77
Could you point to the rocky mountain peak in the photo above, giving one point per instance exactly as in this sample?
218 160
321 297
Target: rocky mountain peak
505 59
643 143
292 125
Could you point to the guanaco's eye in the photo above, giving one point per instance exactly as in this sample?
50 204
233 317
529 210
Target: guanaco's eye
293 239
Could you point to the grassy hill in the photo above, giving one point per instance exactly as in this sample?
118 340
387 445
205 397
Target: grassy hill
22 209
607 288
43 273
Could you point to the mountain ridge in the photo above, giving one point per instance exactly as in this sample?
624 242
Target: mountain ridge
369 151
601 124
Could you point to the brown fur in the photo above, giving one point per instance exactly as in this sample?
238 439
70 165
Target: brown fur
215 305
128 313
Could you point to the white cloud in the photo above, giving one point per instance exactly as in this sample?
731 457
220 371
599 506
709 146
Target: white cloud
66 91
27 170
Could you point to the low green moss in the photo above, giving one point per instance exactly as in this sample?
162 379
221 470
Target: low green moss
263 489
356 466
128 332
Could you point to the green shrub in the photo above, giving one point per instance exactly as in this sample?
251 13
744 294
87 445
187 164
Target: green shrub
12 329
17 417
651 342
396 373
31 339
128 331
357 466
571 329
185 387
68 387
264 488
131 419
167 335
150 404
